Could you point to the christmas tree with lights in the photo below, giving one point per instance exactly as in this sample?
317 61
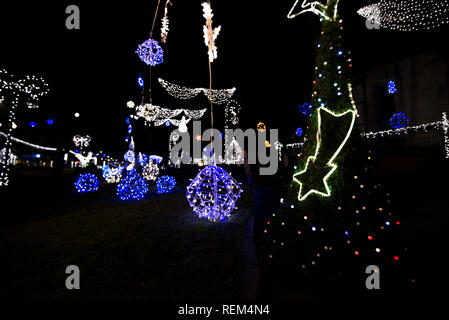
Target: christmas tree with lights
335 219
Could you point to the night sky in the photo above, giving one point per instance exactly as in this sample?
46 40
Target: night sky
94 70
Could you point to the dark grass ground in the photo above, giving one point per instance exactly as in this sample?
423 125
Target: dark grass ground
151 249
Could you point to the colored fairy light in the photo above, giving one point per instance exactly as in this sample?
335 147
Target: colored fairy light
50 122
32 124
167 123
140 81
392 87
399 120
213 193
165 184
150 52
132 187
86 183
299 132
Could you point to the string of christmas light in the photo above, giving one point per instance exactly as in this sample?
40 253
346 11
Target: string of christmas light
32 145
164 28
219 96
407 15
86 183
31 88
153 114
213 193
165 184
445 126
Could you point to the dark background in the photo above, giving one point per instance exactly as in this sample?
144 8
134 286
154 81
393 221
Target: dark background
94 70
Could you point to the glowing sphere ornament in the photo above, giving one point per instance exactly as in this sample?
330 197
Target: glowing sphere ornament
132 187
150 171
165 184
399 120
150 52
86 183
213 193
299 132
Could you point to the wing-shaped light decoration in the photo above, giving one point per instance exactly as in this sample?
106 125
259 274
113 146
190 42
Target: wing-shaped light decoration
210 34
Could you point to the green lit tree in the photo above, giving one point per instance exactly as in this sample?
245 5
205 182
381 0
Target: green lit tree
334 218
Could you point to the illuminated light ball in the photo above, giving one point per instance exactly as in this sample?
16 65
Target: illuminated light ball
77 115
150 52
213 193
370 237
399 120
398 223
377 250
150 171
50 122
261 127
32 124
132 187
86 183
165 184
339 53
299 132
357 253
140 81
392 87
396 258
313 229
346 233
167 123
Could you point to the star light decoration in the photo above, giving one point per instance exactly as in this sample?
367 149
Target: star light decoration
213 193
150 52
316 167
407 15
209 34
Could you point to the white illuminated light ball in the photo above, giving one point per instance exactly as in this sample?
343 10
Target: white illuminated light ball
77 115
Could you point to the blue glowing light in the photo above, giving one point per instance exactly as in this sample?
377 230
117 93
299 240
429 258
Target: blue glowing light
140 81
346 233
392 87
50 122
150 52
167 123
37 155
77 151
305 108
339 53
132 187
130 156
165 184
32 124
213 193
313 228
399 120
299 132
86 183
142 159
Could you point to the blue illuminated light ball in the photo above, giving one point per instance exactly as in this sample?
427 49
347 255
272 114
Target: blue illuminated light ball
392 87
127 120
167 123
165 184
140 81
150 52
299 132
32 124
86 183
50 122
132 187
399 120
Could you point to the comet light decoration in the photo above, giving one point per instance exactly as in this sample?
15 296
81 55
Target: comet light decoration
165 184
407 15
213 193
86 183
150 171
132 187
30 88
399 120
150 52
164 28
210 34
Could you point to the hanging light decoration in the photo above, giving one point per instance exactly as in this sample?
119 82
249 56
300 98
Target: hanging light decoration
150 52
213 193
